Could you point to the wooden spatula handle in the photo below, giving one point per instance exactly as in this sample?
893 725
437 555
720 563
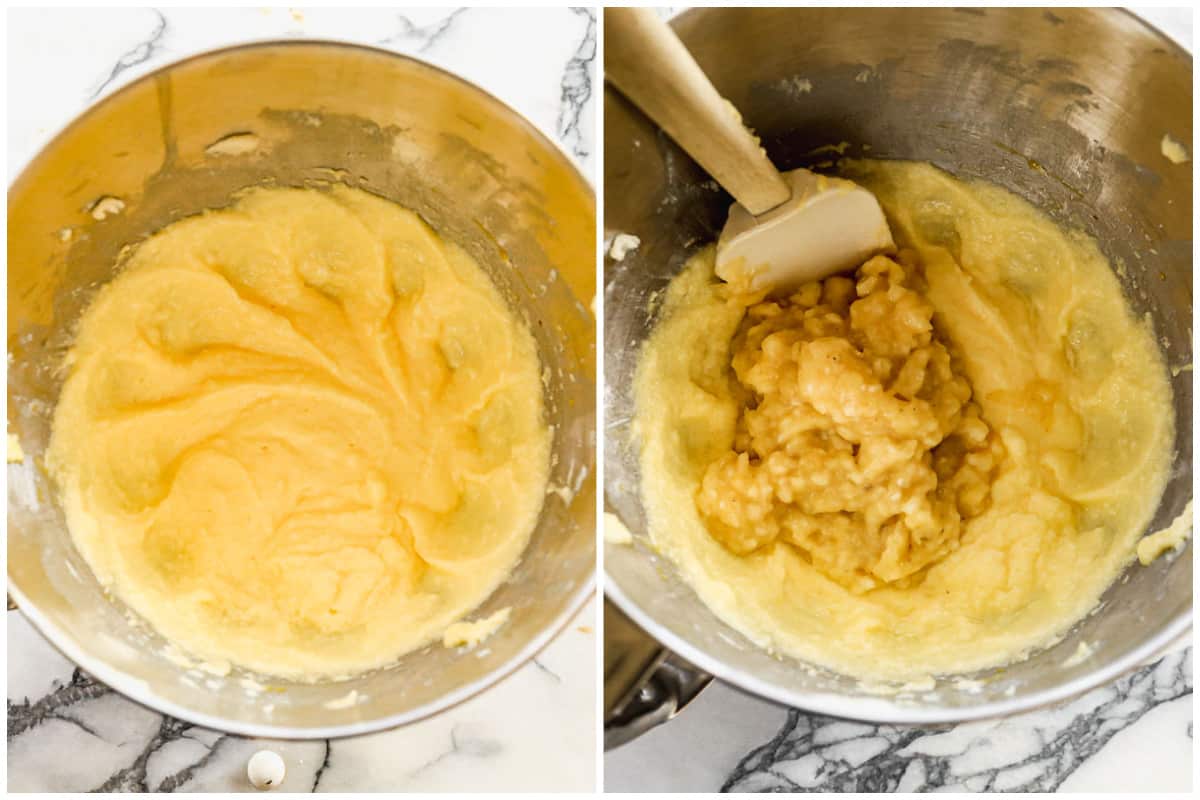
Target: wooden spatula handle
646 61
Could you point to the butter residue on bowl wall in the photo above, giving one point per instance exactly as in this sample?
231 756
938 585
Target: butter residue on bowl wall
235 144
1171 538
15 454
1173 150
471 633
615 531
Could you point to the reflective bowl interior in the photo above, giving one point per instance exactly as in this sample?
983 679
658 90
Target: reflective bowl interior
1066 108
474 169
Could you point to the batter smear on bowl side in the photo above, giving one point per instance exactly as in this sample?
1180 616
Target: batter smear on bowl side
933 465
302 434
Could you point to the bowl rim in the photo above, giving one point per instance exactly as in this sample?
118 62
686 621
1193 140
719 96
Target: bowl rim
880 709
136 689
1167 40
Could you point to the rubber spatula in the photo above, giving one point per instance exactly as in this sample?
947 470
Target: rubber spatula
785 229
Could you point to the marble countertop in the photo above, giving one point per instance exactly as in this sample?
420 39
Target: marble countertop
536 730
1132 735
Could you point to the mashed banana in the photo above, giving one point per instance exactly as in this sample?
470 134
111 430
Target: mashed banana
934 467
857 443
302 434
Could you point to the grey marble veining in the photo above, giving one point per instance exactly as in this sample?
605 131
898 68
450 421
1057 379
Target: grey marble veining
1033 752
140 53
733 742
577 89
68 732
420 38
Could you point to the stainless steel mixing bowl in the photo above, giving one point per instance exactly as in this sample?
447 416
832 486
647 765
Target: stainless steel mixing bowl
472 167
1067 109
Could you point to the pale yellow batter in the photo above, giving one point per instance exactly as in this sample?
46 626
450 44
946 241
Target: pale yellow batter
891 498
303 435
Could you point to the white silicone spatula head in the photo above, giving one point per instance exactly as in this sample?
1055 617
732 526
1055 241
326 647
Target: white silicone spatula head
826 226
784 230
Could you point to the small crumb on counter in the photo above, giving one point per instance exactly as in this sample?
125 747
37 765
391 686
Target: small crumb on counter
622 245
470 634
266 769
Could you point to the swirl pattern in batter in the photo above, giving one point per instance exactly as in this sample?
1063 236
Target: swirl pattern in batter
302 434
